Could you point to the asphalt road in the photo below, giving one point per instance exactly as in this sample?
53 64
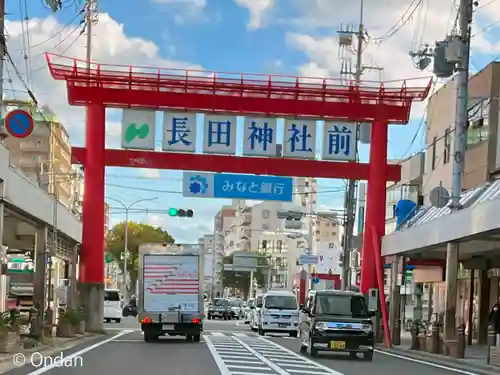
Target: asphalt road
227 348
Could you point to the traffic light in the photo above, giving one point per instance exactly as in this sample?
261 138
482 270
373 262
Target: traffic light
176 212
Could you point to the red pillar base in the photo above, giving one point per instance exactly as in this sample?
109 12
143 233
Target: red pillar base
375 205
92 254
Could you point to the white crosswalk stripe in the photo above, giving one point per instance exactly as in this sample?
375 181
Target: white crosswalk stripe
249 354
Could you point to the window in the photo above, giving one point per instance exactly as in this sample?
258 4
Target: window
433 153
265 226
281 302
279 245
221 302
447 146
265 214
336 304
111 296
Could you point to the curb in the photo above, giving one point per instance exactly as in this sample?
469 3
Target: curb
49 349
439 361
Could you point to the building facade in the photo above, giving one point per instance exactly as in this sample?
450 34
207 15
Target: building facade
482 158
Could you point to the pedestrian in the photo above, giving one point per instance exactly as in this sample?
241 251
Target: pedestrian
494 319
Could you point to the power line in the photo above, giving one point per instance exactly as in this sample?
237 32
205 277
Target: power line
401 22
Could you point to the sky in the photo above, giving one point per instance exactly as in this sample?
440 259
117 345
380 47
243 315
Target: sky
286 37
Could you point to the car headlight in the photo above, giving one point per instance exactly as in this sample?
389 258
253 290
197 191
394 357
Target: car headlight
321 326
367 327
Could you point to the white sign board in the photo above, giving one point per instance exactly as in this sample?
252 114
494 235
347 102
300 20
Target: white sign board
171 283
299 139
179 131
259 136
219 134
138 129
339 141
329 255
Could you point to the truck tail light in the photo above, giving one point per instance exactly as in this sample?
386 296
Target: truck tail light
146 320
196 321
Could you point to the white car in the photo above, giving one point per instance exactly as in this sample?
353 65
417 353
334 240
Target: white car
112 306
255 316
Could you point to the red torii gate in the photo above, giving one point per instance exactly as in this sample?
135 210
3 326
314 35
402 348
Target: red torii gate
117 86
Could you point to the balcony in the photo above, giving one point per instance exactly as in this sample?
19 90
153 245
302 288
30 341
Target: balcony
245 219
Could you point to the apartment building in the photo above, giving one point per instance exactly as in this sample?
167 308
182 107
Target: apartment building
482 158
45 156
326 229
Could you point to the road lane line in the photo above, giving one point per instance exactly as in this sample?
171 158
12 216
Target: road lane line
68 357
307 360
422 362
217 358
271 364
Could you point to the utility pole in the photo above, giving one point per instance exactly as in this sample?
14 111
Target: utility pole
460 139
89 19
350 200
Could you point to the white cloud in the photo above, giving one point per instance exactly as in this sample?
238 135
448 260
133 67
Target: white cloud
115 48
431 22
258 10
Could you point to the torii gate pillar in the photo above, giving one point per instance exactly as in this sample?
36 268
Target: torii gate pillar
375 204
91 272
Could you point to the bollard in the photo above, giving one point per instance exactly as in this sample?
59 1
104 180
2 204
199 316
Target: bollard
415 343
434 346
396 336
459 351
492 337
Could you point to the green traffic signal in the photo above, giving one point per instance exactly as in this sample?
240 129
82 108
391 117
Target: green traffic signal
175 212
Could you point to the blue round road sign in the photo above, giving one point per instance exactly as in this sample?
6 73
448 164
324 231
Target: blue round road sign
19 123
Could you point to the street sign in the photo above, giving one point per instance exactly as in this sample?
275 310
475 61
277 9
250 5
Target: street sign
138 129
245 259
237 186
233 268
315 280
306 259
19 123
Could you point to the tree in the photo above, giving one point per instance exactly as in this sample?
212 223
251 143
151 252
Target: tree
241 280
137 234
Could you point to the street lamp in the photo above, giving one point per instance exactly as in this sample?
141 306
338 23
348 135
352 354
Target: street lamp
125 245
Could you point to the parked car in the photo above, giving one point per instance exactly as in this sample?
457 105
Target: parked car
219 308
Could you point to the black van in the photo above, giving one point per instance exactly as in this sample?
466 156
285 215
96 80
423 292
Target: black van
336 321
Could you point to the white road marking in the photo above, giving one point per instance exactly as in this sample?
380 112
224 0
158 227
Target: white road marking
68 357
422 362
293 355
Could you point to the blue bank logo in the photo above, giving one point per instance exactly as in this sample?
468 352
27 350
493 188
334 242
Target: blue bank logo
198 185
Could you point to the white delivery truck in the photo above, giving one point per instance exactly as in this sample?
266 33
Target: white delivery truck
170 293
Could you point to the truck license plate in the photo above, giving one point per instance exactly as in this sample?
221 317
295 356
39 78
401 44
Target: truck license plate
167 327
282 325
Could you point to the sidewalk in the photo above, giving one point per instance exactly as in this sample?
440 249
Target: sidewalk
52 346
473 363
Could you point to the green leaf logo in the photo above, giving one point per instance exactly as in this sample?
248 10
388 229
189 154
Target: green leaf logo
133 132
